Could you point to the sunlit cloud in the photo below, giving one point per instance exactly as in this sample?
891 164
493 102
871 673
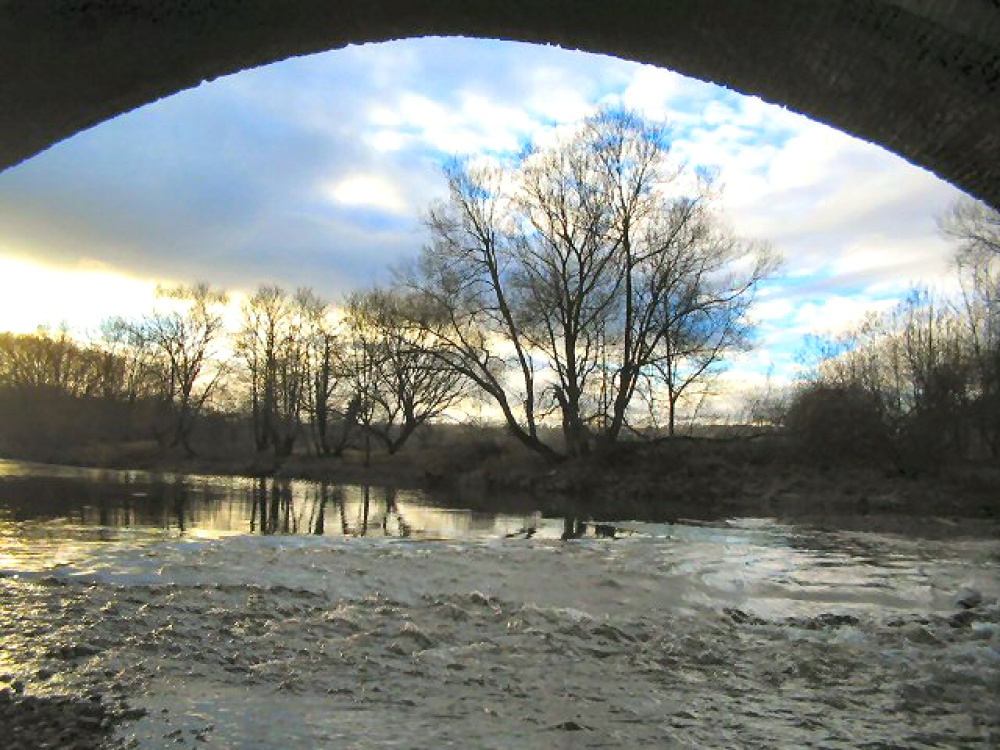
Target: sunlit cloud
665 95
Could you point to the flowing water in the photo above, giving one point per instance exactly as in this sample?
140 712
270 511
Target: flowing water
231 613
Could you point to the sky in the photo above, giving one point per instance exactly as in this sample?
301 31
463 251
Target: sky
316 171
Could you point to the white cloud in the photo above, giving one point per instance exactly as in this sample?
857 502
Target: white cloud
807 157
918 260
775 309
557 94
475 123
836 313
415 110
500 127
657 92
389 140
718 113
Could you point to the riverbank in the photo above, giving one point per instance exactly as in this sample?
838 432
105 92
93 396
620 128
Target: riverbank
698 479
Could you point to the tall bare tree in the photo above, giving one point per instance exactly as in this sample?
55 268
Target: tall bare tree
274 343
976 230
463 281
558 283
321 372
128 361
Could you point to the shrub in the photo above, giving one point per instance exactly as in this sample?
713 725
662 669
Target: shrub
837 424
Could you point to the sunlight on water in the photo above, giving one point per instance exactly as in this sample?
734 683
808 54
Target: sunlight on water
213 505
414 624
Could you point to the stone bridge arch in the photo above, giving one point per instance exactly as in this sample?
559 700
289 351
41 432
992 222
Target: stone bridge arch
919 77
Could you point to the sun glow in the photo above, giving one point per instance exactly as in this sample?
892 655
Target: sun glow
34 295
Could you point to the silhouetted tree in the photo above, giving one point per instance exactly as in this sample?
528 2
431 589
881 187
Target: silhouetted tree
276 343
322 373
46 362
185 343
128 361
976 230
561 282
400 382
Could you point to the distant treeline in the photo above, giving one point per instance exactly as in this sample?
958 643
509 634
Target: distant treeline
293 373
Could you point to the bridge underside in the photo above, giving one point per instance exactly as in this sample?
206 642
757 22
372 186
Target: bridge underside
920 77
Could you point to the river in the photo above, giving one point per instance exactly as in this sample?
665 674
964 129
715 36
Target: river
221 612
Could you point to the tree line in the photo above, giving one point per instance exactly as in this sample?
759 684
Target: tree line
919 385
589 284
296 369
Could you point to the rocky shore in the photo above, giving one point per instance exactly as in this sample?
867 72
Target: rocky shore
30 722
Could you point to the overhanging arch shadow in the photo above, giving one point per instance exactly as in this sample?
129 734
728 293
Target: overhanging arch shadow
919 77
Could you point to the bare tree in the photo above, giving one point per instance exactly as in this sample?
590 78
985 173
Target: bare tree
560 283
974 226
45 362
400 381
695 292
320 347
274 343
256 343
909 376
128 361
976 230
184 341
463 283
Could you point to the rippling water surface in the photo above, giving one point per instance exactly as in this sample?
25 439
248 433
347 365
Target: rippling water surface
394 623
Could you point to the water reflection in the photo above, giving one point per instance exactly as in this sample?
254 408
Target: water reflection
186 504
281 506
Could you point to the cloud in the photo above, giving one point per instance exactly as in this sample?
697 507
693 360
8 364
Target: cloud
665 95
836 313
775 309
